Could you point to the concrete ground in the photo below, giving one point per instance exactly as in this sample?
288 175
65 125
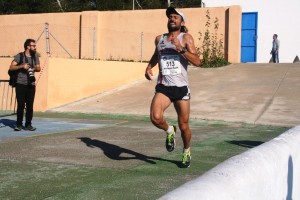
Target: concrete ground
251 93
48 126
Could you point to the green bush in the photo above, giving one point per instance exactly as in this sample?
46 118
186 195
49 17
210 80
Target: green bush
212 49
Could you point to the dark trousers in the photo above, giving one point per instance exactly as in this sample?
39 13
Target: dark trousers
275 57
25 97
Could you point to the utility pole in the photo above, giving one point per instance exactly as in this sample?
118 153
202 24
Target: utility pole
59 4
169 3
132 4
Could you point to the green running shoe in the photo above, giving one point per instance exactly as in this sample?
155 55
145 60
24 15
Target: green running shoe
170 140
186 160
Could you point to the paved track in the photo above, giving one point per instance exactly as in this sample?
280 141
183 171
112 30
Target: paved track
252 93
47 126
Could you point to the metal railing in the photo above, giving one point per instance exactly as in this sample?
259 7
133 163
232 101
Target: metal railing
63 41
8 100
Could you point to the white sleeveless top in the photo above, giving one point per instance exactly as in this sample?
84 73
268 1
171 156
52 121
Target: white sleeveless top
172 65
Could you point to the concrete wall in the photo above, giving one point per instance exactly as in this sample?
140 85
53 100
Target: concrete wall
274 16
63 81
267 172
113 35
122 30
110 35
64 27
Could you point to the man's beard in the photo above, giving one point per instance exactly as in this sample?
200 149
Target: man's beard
173 28
32 52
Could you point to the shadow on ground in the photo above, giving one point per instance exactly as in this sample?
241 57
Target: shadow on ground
245 143
7 123
114 152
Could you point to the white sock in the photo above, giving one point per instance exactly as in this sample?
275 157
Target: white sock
186 150
170 130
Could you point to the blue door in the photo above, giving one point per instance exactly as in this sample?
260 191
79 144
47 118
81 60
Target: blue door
249 37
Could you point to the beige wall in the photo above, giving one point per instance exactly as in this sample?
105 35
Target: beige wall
114 35
14 29
234 27
63 81
119 33
118 36
72 79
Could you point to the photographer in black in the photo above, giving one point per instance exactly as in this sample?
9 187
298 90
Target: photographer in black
25 63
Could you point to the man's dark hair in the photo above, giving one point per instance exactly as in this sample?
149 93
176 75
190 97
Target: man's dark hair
276 35
27 43
184 29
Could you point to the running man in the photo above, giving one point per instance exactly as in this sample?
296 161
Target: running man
174 51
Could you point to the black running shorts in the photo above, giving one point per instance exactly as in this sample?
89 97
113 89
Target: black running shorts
174 93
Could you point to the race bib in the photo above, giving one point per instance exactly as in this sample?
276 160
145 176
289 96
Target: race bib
170 64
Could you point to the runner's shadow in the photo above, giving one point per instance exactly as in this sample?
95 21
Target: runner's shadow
7 122
246 143
114 152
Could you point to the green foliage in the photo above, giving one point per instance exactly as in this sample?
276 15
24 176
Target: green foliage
52 6
212 49
28 6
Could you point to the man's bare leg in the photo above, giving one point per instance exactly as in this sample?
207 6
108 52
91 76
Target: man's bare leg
183 111
158 106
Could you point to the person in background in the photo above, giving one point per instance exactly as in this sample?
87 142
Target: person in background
275 49
26 63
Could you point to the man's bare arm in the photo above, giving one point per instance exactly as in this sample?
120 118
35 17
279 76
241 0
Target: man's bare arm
191 53
14 66
153 62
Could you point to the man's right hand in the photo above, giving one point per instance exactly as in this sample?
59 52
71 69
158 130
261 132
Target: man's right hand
26 66
148 73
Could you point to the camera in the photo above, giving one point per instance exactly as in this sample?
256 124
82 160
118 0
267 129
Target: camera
31 75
